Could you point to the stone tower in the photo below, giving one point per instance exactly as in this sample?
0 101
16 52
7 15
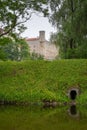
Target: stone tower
42 36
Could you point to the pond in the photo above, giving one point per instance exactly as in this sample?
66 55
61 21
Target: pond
41 118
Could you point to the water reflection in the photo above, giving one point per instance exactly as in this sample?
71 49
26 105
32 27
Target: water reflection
36 118
73 111
48 106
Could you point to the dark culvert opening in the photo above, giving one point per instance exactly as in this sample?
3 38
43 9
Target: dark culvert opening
73 94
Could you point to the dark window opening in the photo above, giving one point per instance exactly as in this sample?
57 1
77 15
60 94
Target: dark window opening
73 94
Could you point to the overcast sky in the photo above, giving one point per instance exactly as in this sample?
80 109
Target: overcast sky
36 24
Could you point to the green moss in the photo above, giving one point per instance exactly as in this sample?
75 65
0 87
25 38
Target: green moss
37 80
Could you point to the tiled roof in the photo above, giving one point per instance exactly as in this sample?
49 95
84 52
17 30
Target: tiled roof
32 39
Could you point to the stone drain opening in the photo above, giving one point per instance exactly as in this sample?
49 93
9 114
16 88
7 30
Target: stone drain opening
73 94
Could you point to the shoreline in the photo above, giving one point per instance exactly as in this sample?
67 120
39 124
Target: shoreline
45 104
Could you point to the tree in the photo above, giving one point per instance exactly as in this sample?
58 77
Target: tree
54 38
14 49
13 13
4 41
69 16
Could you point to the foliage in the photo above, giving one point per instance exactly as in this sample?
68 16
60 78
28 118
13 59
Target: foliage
70 19
4 41
12 49
36 56
54 38
13 13
34 81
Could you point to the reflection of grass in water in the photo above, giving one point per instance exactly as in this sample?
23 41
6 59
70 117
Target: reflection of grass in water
34 118
83 111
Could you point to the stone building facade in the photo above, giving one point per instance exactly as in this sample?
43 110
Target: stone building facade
43 47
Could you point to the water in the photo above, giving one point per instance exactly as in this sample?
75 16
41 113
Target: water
39 118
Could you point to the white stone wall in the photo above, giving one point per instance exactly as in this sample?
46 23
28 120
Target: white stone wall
48 50
43 47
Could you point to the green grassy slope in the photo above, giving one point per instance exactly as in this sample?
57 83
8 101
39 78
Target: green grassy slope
37 80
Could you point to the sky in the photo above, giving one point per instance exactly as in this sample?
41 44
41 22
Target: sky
36 24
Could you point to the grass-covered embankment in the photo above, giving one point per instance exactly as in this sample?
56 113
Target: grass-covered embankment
33 81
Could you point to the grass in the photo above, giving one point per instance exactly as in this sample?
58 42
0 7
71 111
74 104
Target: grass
33 81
